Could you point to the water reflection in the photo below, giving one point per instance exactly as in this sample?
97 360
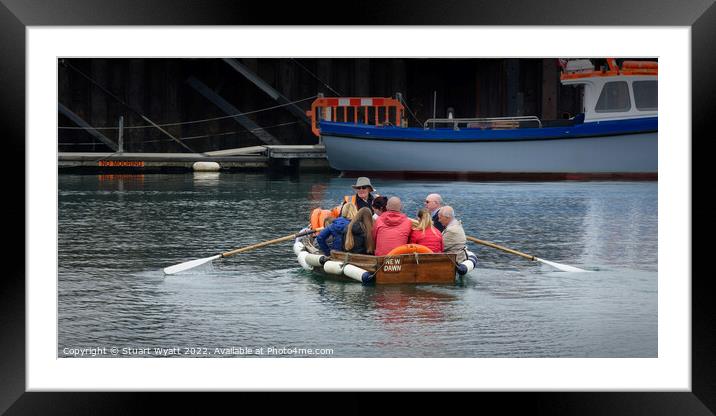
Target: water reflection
621 227
399 304
206 178
388 304
316 194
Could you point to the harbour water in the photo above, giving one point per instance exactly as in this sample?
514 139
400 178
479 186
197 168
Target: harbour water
116 233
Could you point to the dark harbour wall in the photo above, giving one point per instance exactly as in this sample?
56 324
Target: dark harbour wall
100 91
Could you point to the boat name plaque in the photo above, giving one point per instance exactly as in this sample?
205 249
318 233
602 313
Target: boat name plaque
392 265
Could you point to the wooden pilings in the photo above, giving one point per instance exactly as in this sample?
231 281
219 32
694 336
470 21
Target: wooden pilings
550 88
157 89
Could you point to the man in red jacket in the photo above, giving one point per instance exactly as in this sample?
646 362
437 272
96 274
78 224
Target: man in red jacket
392 228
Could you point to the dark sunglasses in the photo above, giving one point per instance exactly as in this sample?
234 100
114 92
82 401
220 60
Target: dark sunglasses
362 187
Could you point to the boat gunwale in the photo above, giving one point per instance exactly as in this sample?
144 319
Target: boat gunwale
345 257
404 275
374 265
502 135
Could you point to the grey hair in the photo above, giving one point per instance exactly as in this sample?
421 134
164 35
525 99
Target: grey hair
447 211
437 197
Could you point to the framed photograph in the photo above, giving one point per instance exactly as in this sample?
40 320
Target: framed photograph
671 375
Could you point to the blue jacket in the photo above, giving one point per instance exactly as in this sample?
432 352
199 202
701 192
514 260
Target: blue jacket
337 229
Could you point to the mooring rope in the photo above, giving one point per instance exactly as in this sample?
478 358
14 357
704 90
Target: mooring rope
410 111
195 121
318 79
226 133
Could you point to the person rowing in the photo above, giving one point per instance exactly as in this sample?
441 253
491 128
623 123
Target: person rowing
454 240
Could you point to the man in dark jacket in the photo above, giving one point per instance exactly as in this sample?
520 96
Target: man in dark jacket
433 203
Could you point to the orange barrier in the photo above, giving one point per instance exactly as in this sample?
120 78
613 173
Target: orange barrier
409 249
640 65
361 109
628 68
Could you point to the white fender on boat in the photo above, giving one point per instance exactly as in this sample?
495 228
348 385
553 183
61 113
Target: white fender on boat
355 273
302 261
206 167
298 247
468 265
333 267
315 260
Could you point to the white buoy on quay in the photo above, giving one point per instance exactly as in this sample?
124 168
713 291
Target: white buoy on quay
206 167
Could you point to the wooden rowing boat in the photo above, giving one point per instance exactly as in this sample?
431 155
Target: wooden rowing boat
404 268
414 268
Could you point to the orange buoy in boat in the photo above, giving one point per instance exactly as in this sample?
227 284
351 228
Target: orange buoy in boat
409 249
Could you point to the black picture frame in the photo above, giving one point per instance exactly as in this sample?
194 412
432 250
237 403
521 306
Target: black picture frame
16 15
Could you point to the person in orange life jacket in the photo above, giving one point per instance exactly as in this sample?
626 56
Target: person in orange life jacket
363 196
379 203
392 228
433 202
336 229
425 234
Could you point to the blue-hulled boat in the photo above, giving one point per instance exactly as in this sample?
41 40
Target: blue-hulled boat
614 137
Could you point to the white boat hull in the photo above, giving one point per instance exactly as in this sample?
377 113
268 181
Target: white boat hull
632 153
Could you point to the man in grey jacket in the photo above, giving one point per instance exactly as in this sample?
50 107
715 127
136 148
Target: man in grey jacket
454 240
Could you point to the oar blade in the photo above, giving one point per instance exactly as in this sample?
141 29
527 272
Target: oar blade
562 267
188 265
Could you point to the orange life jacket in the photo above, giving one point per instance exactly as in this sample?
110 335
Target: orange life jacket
337 209
318 217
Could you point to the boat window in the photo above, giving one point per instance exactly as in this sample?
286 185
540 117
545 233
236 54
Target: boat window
614 97
646 95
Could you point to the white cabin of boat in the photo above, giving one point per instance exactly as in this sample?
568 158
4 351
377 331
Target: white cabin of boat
615 93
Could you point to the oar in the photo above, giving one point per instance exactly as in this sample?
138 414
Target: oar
194 263
562 267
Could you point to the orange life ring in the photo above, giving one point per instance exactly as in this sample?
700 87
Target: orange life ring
409 249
